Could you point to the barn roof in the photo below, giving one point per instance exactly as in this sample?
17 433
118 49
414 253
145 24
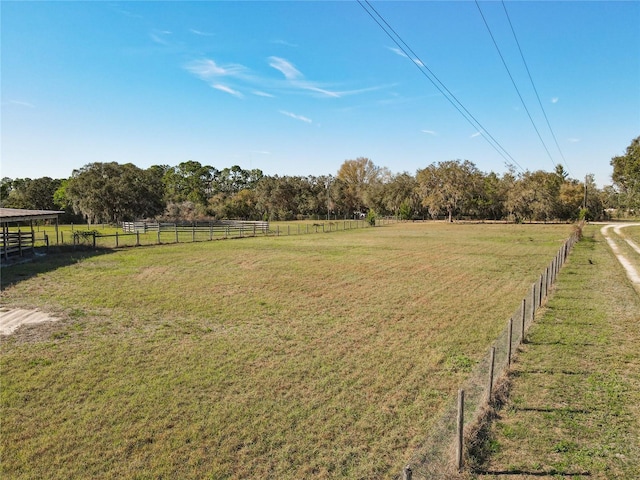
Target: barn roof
8 215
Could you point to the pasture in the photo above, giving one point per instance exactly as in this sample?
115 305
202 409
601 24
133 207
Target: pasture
324 356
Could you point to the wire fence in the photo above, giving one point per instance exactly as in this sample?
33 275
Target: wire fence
450 441
137 234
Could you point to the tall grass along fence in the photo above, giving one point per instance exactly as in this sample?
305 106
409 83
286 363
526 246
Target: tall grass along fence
455 438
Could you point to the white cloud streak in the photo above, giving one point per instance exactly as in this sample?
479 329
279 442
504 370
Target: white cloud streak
259 93
554 100
158 37
286 68
209 69
285 43
237 77
229 90
430 132
201 33
21 104
397 51
297 117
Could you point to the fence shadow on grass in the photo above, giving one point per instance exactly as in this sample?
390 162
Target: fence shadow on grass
39 263
540 473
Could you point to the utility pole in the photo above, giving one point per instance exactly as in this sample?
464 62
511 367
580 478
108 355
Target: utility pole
584 203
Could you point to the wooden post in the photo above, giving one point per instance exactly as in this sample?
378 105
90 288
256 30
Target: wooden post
524 309
20 242
492 361
407 474
116 239
158 234
176 227
277 230
137 238
46 241
193 233
546 282
210 230
540 291
94 240
460 430
533 303
509 340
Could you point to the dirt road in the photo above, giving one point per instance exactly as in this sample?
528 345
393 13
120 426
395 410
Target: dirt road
631 266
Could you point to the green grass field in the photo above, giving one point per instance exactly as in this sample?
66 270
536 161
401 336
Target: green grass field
324 356
574 407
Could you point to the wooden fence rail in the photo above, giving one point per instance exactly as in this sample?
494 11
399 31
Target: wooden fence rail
16 243
157 233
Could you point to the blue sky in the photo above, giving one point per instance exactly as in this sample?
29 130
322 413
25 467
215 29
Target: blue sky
297 88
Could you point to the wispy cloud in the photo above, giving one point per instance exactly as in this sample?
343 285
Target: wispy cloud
397 51
573 140
122 11
21 104
201 33
285 43
297 117
554 100
262 94
296 78
400 53
474 135
430 132
240 78
286 68
158 36
229 90
208 69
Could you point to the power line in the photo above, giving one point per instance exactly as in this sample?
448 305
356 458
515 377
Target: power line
504 6
514 83
423 68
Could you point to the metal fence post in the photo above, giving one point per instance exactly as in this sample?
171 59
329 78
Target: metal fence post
524 309
460 431
492 361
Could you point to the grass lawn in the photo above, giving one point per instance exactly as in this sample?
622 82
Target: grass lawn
324 356
574 407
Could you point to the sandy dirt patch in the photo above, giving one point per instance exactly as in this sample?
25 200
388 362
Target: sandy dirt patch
632 273
11 319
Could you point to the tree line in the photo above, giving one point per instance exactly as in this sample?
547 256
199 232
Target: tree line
112 192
